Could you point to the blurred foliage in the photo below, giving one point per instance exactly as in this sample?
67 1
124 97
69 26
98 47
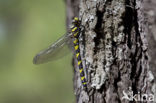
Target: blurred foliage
26 27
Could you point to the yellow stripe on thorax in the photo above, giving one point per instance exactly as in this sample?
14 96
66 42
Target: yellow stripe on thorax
74 29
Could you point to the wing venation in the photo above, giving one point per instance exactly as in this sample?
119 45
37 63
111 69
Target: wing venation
54 51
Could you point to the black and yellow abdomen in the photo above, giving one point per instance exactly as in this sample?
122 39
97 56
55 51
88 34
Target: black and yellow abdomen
75 32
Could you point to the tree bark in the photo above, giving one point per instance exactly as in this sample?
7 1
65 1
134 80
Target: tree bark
114 50
151 18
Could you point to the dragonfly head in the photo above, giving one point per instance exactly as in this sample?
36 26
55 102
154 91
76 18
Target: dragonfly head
76 21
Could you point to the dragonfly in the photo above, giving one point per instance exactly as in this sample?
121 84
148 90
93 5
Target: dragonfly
53 51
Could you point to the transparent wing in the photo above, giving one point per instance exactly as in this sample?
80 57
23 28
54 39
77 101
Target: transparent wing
55 51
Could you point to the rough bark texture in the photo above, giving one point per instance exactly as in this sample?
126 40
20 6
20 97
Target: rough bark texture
113 48
150 8
150 12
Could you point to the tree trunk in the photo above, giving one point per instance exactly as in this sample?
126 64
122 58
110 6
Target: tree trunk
113 48
150 8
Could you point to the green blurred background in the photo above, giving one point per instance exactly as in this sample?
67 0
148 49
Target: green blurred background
26 27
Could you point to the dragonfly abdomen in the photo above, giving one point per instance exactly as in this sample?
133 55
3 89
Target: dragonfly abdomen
76 32
81 70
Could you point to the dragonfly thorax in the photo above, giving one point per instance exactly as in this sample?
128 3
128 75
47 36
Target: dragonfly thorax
75 28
